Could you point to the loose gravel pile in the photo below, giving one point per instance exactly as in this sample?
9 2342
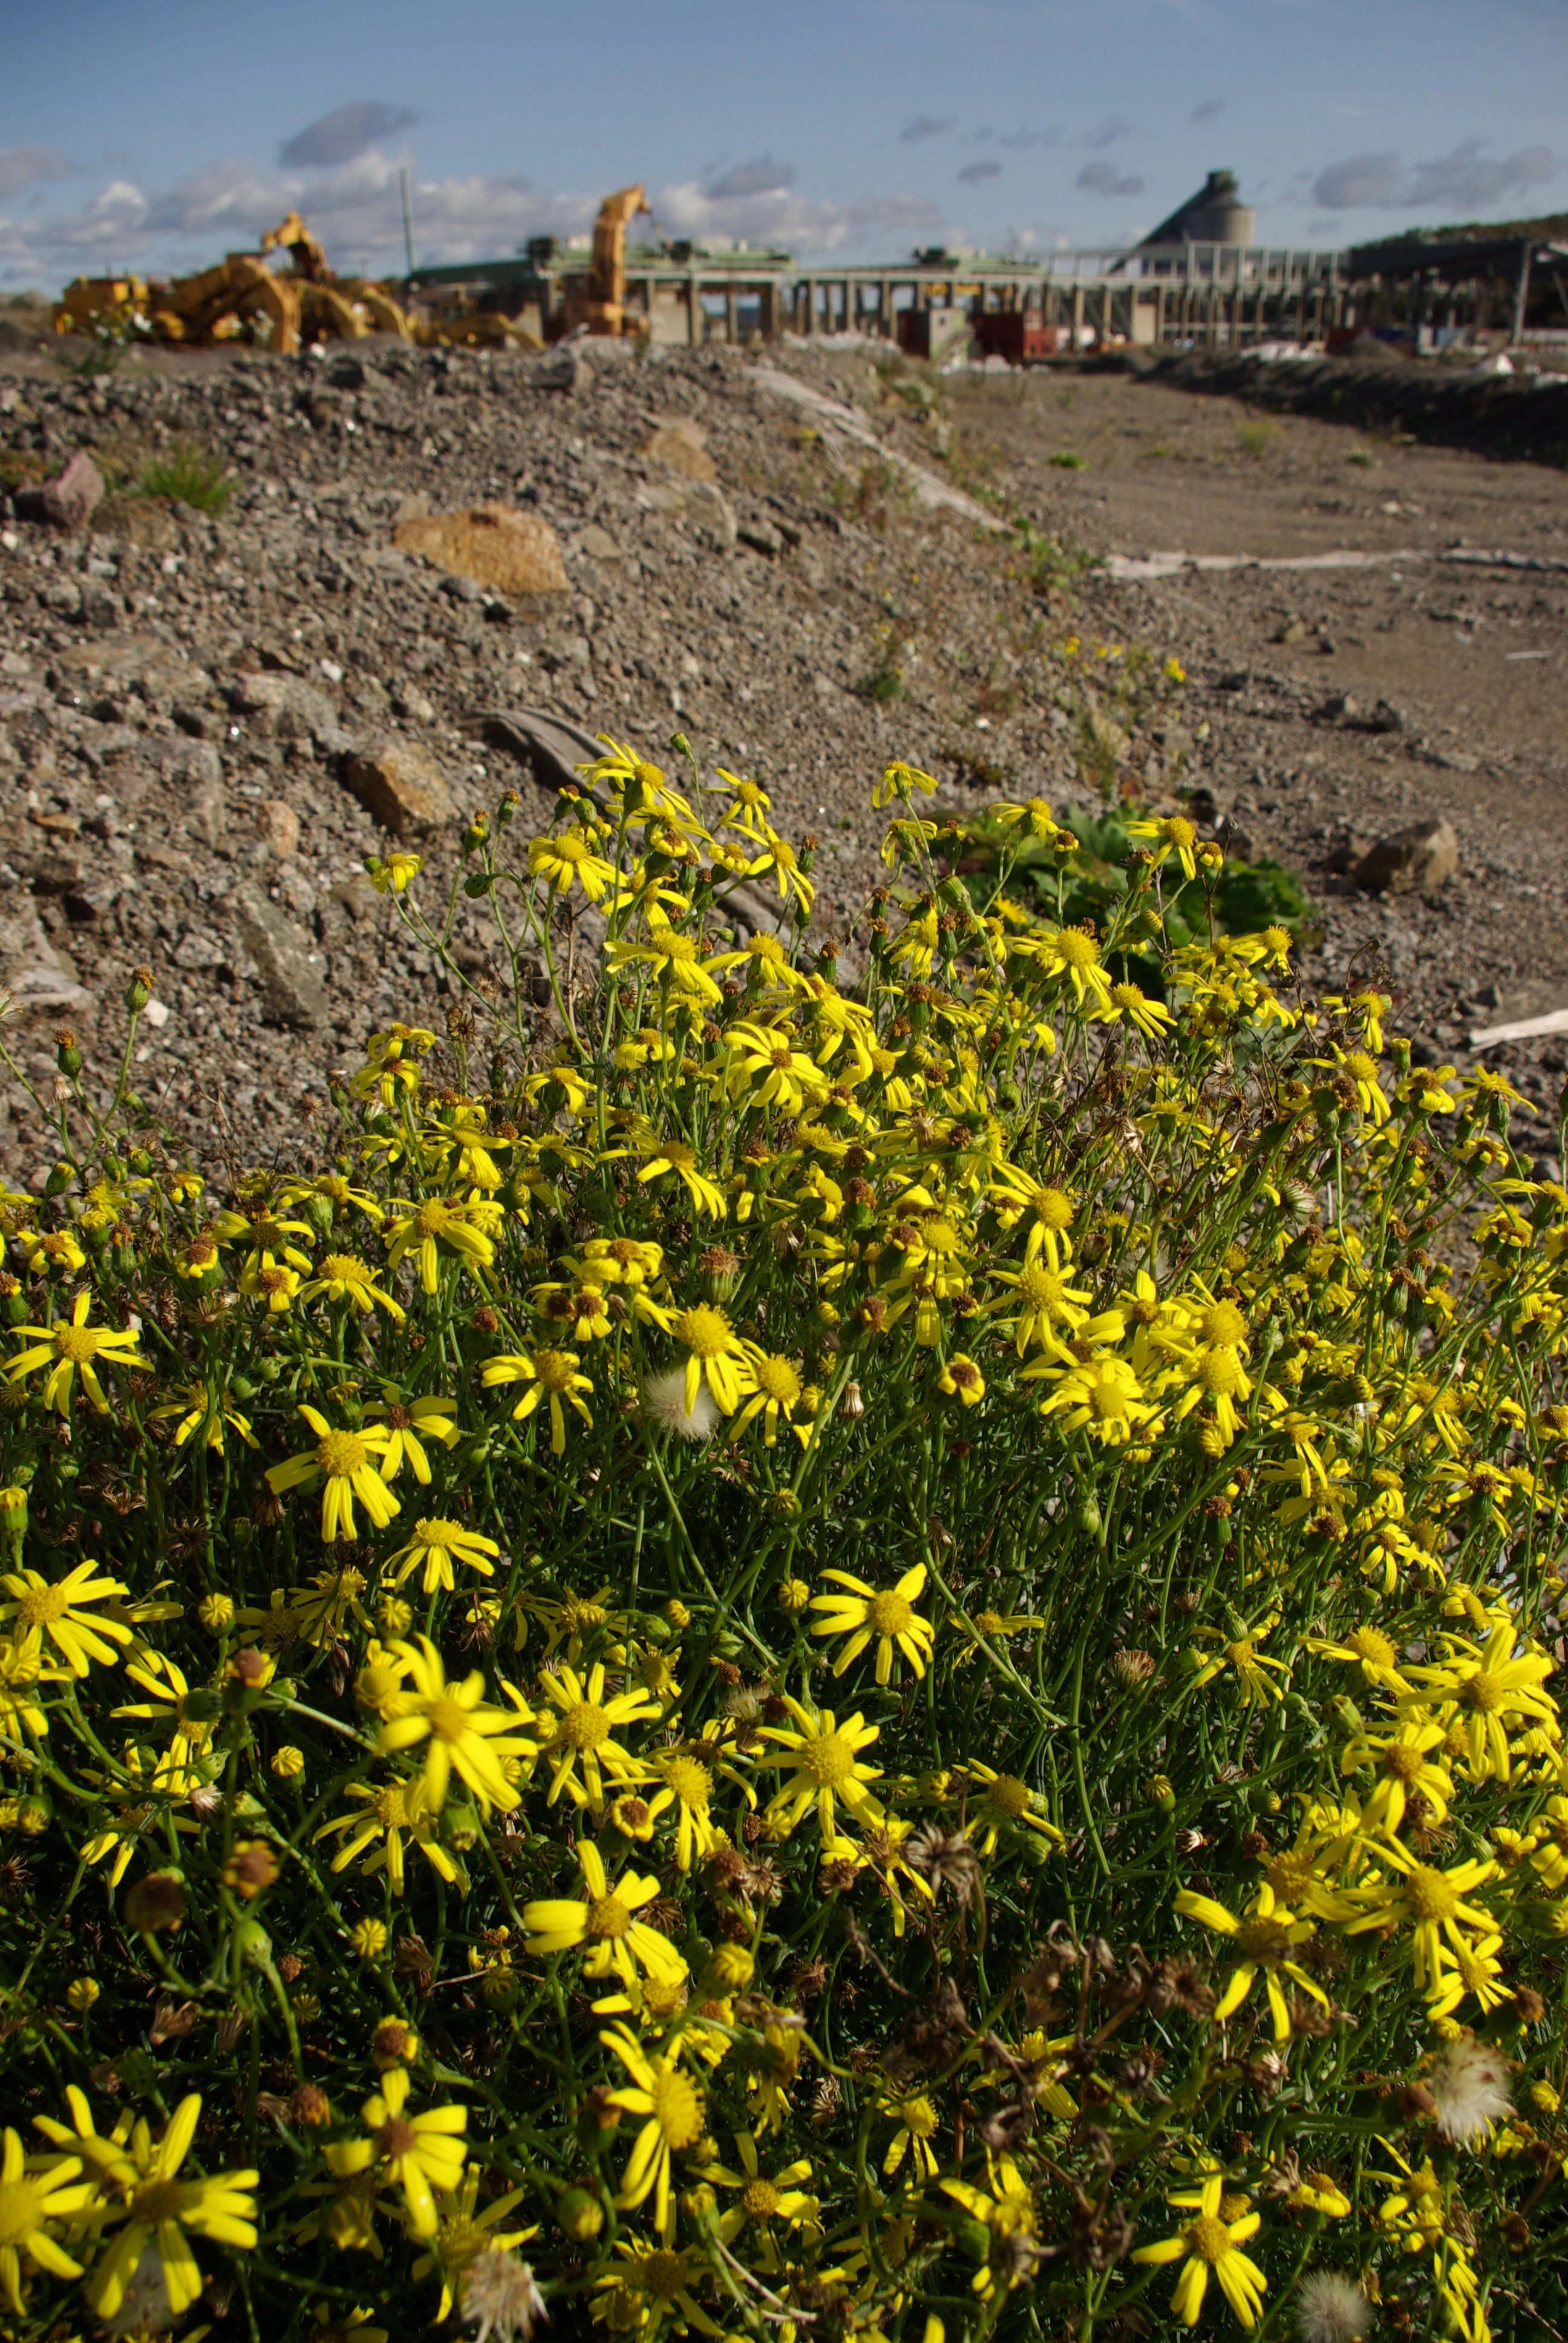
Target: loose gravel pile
190 708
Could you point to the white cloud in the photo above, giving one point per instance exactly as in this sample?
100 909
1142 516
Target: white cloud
356 212
23 167
346 132
1467 179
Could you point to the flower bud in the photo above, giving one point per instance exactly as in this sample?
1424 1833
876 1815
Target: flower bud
82 1993
139 990
580 2215
794 1594
369 1939
67 1056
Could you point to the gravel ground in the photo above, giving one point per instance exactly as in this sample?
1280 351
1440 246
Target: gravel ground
160 806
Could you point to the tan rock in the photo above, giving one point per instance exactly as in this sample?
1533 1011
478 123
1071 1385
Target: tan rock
495 545
278 825
400 784
1417 861
682 446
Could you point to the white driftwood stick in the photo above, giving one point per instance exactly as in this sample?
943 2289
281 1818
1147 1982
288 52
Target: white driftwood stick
1523 1029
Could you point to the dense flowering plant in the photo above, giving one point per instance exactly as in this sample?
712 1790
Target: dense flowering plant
827 1655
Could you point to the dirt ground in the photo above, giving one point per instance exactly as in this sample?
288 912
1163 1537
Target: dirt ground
157 807
1472 657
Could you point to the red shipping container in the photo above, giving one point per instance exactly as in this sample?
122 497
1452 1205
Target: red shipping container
1014 334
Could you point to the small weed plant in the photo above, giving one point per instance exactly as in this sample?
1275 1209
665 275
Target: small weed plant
795 1655
191 475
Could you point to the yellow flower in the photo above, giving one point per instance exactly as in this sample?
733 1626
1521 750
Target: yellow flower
1404 1766
1209 2242
202 1410
392 1067
1489 1687
443 1229
1265 1940
1241 1653
345 1463
462 1730
1073 953
901 781
826 1759
1104 1398
1004 1802
764 2198
1034 812
715 1355
1005 2210
586 1725
411 1422
673 1155
384 1819
156 2205
1435 1902
562 863
917 2125
548 1374
889 1616
393 873
654 2283
437 1545
417 2154
1151 1018
68 1350
59 1612
673 2107
344 1277
1367 1648
464 2236
1171 834
778 1390
620 1944
960 1376
30 2203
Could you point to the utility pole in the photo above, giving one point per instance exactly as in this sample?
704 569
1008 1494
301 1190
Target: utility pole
407 218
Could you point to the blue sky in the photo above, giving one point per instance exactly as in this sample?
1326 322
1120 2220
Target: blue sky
160 133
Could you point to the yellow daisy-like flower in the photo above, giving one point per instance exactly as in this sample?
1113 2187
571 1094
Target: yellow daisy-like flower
961 1379
778 1389
585 1724
437 1545
1211 2245
1169 834
672 2109
443 1229
1073 953
71 1350
568 862
464 2236
549 1376
384 1819
901 781
31 2203
673 1155
889 1616
617 1942
201 1409
60 1611
417 2154
1265 1940
346 1464
410 1423
1406 1765
344 1277
22 1670
1436 1903
764 2198
154 2205
392 873
1103 1397
460 1727
1129 1000
1033 814
1003 1803
826 1760
917 2125
1490 1689
1006 2209
714 1355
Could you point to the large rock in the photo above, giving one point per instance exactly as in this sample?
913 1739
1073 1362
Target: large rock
292 709
69 499
400 784
32 975
709 517
682 446
1414 861
496 545
284 963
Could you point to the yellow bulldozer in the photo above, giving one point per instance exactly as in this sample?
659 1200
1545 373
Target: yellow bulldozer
239 299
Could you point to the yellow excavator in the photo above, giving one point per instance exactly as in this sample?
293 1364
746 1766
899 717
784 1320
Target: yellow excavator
240 298
600 303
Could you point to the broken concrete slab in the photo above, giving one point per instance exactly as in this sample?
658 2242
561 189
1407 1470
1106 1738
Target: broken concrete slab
493 544
709 517
286 966
1414 861
402 787
934 495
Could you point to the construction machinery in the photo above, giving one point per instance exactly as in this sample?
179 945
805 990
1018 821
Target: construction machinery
601 304
239 299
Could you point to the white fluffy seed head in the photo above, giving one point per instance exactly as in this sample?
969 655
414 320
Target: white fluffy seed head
500 2297
664 1405
1332 2308
1469 2084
